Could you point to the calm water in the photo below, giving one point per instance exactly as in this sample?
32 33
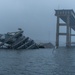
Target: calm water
38 62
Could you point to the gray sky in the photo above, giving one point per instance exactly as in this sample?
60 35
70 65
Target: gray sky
35 17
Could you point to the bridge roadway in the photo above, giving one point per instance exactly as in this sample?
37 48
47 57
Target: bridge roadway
63 15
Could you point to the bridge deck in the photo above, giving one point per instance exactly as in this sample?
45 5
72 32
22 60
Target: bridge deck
63 15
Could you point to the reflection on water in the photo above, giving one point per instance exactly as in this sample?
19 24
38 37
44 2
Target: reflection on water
38 62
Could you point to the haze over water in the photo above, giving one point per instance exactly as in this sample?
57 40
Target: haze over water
35 17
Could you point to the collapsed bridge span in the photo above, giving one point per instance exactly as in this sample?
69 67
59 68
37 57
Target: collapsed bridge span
16 40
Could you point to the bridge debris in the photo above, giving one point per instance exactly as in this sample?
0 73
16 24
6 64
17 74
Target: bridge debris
16 40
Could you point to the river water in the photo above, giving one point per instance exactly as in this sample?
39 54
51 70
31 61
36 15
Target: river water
38 62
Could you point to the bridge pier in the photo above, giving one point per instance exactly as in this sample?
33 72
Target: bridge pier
68 16
57 32
68 35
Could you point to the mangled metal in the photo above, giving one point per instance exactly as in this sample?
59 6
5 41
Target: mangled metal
16 40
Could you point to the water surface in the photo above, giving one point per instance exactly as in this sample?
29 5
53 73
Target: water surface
38 62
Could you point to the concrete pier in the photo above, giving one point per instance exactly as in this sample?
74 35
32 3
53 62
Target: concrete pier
68 16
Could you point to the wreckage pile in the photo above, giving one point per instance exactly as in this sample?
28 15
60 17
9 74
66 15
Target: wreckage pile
16 40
